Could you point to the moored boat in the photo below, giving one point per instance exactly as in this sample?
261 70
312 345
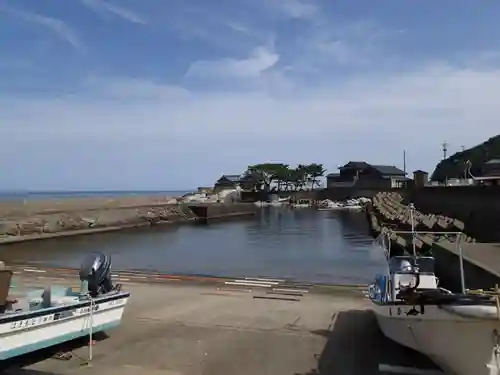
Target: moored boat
48 316
459 331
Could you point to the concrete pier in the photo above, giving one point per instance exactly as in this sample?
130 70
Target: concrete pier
211 327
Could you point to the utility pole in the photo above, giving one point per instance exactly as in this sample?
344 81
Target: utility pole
445 149
404 161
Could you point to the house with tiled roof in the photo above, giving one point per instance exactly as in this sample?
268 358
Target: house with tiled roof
367 176
227 181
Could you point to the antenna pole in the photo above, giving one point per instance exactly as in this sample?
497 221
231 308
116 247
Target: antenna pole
404 161
445 149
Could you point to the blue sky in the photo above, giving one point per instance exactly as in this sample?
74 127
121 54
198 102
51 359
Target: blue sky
158 94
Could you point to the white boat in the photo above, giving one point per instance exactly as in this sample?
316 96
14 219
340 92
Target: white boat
460 332
53 315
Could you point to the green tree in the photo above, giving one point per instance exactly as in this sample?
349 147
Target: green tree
269 173
314 172
284 177
302 177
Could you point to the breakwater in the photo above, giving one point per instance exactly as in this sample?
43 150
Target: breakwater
34 220
390 210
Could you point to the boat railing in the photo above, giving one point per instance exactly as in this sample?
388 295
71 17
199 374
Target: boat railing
388 234
384 240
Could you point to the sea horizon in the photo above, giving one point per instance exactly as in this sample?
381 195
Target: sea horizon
12 194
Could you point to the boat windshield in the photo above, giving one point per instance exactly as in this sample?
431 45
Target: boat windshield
402 264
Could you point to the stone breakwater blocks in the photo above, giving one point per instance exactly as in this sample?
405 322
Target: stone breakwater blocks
458 224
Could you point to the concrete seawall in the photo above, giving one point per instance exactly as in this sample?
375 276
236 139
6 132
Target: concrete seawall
478 207
35 220
218 211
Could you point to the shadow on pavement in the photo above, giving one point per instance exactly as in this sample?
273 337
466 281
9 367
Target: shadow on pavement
356 346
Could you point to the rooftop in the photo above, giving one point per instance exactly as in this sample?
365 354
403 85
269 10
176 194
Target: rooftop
231 177
389 170
386 170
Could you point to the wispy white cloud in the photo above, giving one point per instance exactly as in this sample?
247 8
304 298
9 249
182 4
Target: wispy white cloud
260 60
220 29
238 27
104 7
60 28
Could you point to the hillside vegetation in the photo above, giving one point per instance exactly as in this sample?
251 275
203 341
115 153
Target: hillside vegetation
454 166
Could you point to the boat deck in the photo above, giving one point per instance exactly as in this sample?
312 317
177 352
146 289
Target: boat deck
175 327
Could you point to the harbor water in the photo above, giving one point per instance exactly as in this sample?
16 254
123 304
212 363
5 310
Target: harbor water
302 244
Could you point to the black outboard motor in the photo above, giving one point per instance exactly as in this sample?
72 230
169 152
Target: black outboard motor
96 271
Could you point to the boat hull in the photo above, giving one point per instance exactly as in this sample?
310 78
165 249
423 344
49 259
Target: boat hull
459 345
28 332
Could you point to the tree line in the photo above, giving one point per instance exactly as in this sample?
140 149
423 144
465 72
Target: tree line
283 177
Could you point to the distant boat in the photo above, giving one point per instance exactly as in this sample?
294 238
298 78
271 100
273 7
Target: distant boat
275 203
351 204
50 316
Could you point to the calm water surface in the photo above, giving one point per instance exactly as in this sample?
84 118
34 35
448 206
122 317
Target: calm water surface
301 244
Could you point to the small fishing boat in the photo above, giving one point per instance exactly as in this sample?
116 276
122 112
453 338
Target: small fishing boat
460 332
54 315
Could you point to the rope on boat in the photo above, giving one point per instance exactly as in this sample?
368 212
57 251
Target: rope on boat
70 354
91 323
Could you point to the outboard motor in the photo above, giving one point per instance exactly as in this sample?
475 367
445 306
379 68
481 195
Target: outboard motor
96 273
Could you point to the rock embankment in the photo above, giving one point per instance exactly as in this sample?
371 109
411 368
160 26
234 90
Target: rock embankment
27 220
389 210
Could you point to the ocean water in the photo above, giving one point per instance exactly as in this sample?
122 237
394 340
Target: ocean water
24 195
